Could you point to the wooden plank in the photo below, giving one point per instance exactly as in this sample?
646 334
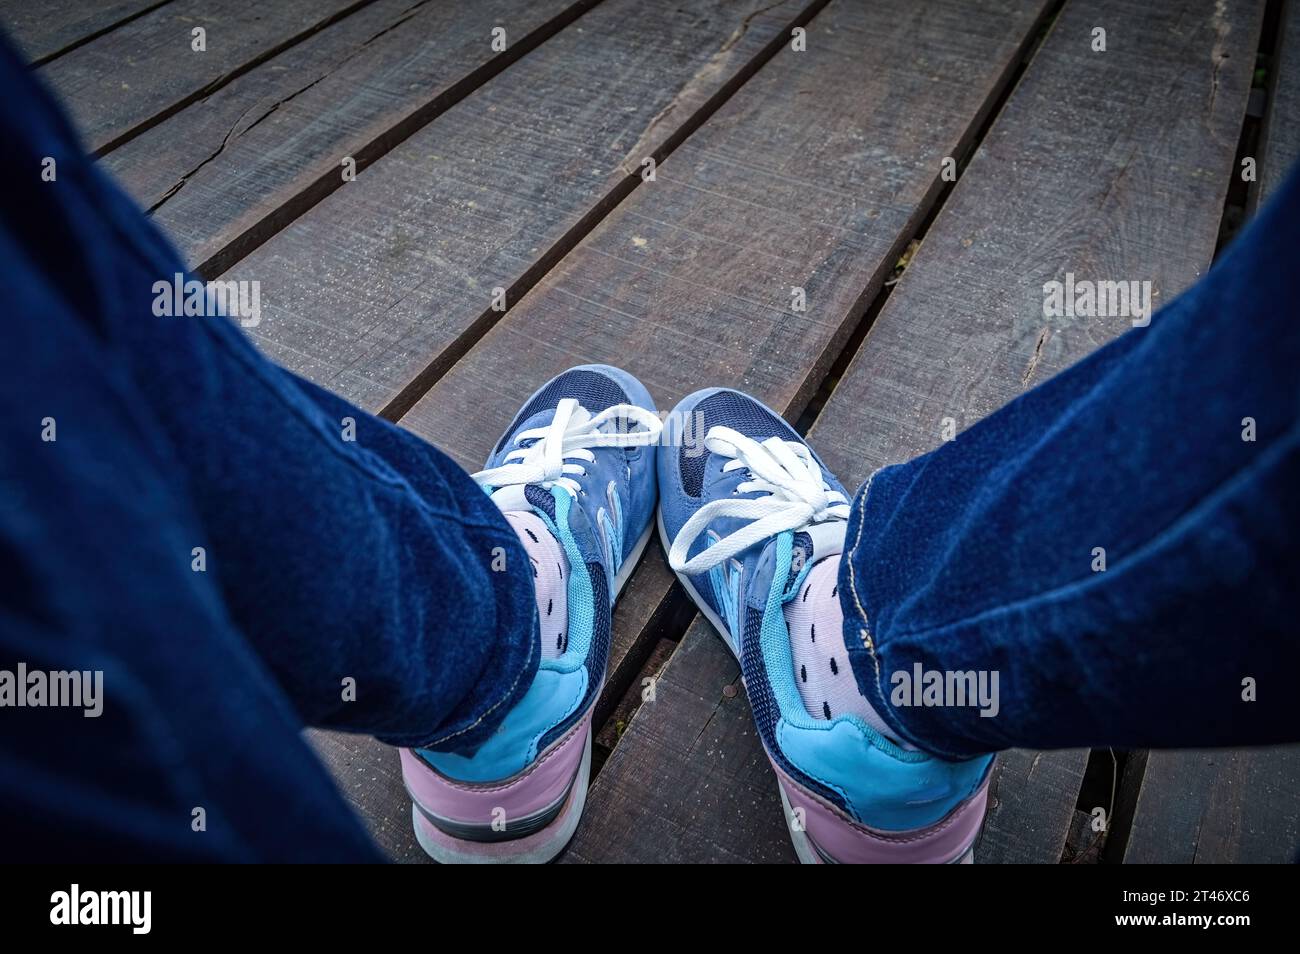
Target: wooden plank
1083 846
644 810
612 729
574 116
137 75
964 331
1031 806
1218 806
812 175
1281 145
1231 805
1080 201
370 777
44 30
231 169
380 287
688 281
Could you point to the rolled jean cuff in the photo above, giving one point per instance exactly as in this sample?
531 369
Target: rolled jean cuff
509 668
866 614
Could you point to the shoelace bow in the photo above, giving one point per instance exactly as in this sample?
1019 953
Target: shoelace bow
796 496
558 450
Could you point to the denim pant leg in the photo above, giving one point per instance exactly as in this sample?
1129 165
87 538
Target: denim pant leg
1118 545
238 550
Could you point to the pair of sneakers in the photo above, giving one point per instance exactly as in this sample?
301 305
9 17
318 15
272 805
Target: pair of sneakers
754 528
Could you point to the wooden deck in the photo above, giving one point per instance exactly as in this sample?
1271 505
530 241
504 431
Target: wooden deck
479 169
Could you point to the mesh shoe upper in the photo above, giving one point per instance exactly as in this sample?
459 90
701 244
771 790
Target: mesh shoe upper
842 760
598 526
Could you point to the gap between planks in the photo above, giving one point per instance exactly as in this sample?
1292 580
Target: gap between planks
405 399
620 699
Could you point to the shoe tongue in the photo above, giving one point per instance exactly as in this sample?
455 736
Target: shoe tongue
824 539
809 546
523 497
511 497
544 417
540 499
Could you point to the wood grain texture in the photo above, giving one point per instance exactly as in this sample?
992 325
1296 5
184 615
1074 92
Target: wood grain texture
959 334
141 72
381 286
613 727
570 130
688 282
802 177
1281 146
688 781
1222 805
1031 806
43 30
1218 806
1108 165
369 775
812 175
232 168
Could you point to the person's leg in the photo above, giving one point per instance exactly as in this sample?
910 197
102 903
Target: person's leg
212 533
338 540
985 557
1118 544
174 743
755 531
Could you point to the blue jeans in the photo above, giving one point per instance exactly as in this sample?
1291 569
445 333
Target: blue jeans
986 555
200 531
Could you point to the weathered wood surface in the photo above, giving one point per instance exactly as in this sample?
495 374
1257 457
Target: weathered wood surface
1218 806
138 74
689 280
1281 144
44 29
651 804
370 777
687 283
612 728
233 168
1109 165
963 333
534 185
1231 805
378 289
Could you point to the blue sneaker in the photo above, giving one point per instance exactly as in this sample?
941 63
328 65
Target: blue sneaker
754 524
575 476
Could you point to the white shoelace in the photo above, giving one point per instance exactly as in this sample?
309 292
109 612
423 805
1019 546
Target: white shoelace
561 447
797 497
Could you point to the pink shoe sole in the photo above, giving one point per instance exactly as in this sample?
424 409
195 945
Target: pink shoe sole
525 819
823 834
